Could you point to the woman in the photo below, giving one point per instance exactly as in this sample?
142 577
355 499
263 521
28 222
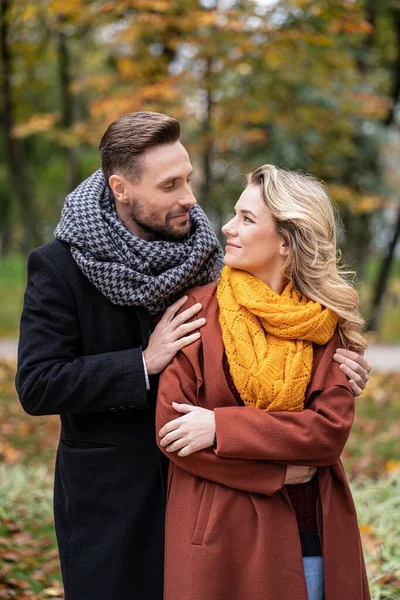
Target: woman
257 392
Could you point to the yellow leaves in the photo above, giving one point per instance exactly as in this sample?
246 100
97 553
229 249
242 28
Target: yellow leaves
65 8
370 541
153 5
254 136
54 592
353 27
244 68
392 465
41 123
28 13
357 202
127 68
206 19
366 529
370 105
9 454
100 83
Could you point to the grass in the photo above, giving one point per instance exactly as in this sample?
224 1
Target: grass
378 508
28 548
374 443
12 286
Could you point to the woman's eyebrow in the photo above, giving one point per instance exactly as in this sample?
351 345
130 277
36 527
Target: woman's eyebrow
246 211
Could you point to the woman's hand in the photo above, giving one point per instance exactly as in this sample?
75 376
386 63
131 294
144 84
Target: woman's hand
355 367
192 432
296 474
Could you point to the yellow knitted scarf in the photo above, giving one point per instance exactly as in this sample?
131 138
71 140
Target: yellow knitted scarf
268 339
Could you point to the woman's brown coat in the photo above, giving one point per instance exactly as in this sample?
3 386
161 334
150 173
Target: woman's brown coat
231 533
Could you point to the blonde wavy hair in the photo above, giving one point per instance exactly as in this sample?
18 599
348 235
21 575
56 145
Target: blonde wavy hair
304 217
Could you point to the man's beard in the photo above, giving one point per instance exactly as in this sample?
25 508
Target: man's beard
166 232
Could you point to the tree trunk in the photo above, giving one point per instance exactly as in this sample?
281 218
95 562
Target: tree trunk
395 69
67 108
383 278
15 159
207 142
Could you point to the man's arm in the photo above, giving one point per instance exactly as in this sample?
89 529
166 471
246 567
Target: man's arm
52 378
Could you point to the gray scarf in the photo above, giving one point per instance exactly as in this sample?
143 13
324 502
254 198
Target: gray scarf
127 269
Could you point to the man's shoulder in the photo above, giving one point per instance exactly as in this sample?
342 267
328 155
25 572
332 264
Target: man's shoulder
56 251
55 256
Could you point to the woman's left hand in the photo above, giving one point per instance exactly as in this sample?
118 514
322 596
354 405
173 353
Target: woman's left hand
192 432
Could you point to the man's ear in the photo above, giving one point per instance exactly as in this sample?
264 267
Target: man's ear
118 187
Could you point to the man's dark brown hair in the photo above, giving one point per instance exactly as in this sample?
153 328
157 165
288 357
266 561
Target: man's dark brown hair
125 140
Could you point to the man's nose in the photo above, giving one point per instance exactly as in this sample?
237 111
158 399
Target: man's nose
188 199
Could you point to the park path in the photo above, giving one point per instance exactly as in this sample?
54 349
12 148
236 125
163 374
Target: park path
383 358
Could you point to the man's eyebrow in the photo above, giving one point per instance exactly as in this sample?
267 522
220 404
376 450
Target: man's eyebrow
172 178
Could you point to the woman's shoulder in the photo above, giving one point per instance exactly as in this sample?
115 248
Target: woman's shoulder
205 294
326 372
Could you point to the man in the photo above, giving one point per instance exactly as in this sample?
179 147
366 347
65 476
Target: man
130 241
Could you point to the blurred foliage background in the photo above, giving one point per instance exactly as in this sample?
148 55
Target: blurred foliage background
304 84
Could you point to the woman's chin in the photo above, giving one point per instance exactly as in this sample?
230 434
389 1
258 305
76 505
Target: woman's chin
228 262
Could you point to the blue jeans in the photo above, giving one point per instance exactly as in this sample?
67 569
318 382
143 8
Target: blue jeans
314 574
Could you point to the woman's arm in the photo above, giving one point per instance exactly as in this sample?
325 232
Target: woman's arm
179 383
314 436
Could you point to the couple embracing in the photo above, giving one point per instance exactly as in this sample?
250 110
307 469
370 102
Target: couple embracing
235 448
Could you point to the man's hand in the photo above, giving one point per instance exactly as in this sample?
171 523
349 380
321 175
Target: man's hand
355 367
171 334
190 433
296 474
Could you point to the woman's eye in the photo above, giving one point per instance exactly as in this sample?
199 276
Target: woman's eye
247 220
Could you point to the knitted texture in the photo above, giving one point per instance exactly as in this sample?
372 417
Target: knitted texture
268 339
128 270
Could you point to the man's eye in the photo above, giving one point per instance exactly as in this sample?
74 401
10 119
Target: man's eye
170 186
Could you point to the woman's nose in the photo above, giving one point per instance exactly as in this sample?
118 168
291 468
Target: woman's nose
228 228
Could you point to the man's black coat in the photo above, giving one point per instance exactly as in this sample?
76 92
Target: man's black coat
80 356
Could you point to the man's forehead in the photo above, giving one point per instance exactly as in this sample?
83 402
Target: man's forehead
169 161
166 154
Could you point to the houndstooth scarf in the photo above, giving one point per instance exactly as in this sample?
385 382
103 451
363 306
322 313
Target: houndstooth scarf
125 268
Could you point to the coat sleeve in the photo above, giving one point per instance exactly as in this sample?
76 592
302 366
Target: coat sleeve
179 383
315 436
52 378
